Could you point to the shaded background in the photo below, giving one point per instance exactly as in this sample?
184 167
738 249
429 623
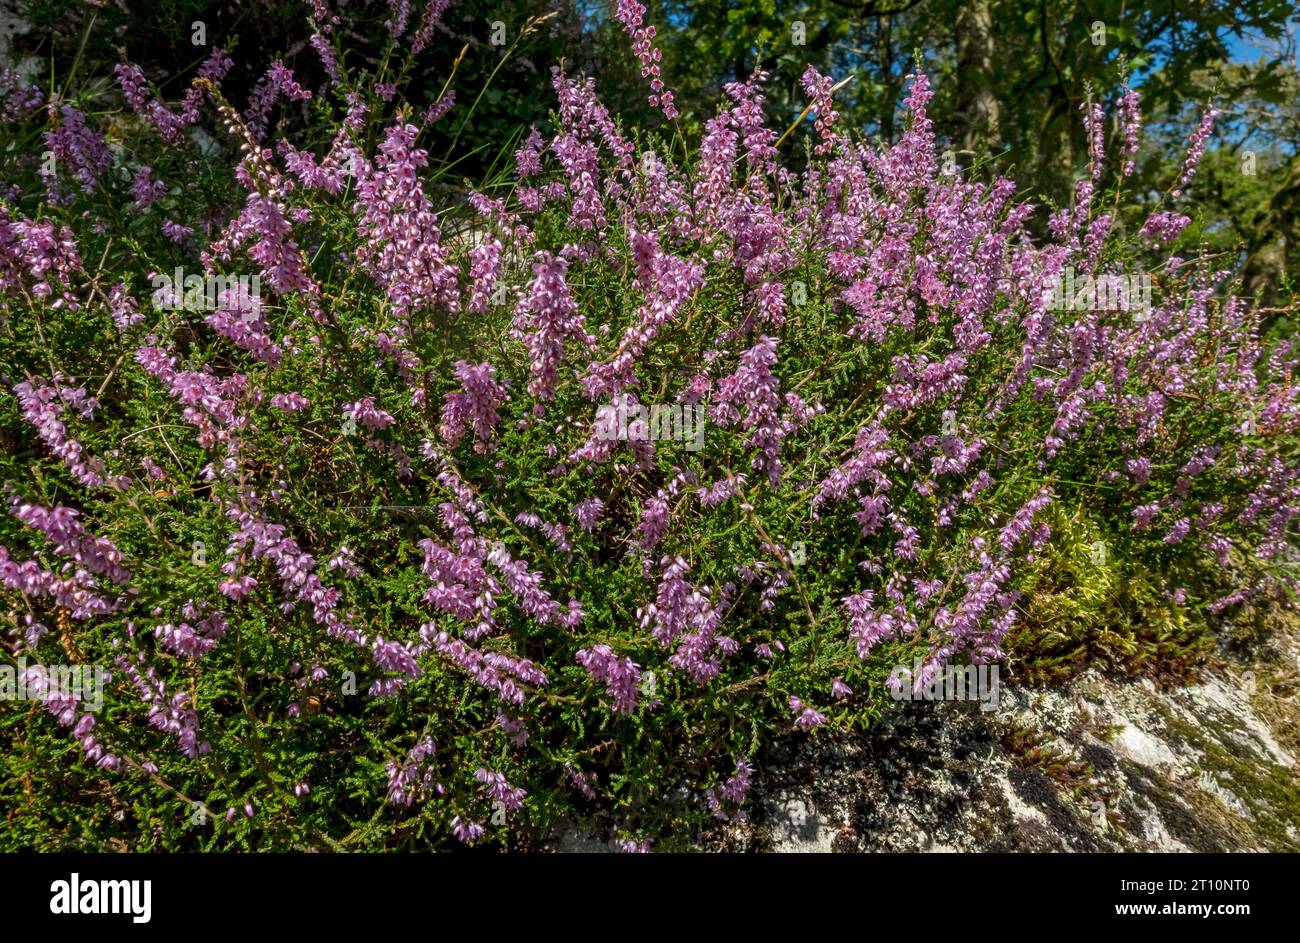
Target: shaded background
1010 76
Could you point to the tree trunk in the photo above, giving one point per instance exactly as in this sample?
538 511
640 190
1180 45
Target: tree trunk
977 108
1275 232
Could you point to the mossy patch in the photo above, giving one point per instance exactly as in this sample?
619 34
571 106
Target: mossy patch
1089 601
1181 821
1269 791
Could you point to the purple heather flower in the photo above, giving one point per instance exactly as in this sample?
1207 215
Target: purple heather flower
473 408
805 717
621 676
587 512
145 190
1195 149
631 14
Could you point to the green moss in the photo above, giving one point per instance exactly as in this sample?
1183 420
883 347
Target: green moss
1271 792
1176 811
1090 600
1275 701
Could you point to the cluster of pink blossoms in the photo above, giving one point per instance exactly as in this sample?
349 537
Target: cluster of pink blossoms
621 676
403 240
43 405
632 15
475 407
38 257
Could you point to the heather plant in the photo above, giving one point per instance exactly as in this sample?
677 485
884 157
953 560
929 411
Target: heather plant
417 544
